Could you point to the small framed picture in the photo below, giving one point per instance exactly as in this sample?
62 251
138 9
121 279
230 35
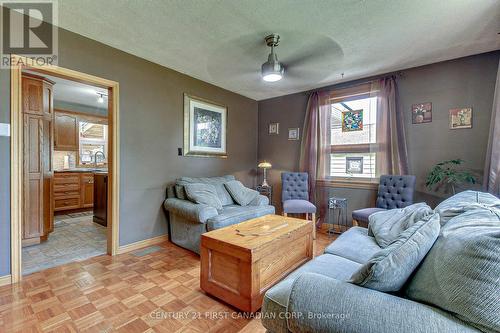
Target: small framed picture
354 165
293 133
461 118
421 113
274 128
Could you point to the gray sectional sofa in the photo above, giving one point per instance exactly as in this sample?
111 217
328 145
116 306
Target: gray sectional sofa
188 220
454 288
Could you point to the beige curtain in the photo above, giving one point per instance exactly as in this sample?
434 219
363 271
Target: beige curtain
491 181
392 153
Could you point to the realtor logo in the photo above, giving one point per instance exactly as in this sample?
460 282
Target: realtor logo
29 29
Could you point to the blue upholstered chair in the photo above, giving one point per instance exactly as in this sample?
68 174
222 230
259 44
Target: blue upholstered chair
295 196
393 192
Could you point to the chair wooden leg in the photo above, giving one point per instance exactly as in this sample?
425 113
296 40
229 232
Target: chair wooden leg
313 218
355 223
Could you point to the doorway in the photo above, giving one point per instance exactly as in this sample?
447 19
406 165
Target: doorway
53 189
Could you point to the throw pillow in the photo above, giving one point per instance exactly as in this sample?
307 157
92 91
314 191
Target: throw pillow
203 194
241 194
180 193
217 182
461 273
386 226
389 268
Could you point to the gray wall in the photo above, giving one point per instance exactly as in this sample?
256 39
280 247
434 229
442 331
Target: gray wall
465 82
151 129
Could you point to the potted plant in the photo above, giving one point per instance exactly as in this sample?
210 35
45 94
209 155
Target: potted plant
446 173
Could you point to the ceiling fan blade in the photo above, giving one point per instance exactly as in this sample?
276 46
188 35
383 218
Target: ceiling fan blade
322 50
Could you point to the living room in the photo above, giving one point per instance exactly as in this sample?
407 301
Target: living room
427 74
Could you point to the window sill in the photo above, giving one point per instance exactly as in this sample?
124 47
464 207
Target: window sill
349 183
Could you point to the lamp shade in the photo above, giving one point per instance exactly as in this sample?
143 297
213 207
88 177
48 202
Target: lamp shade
264 165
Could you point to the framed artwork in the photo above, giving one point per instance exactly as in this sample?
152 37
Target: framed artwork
293 133
421 113
352 121
460 118
205 127
274 128
354 165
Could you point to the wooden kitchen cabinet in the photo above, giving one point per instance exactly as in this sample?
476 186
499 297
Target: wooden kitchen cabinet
38 172
87 188
73 190
65 131
67 191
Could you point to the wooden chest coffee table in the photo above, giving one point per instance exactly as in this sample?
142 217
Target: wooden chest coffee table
240 262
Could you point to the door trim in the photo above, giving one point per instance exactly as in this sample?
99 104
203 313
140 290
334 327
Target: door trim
16 149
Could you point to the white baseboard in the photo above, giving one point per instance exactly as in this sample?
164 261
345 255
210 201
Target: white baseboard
142 243
5 280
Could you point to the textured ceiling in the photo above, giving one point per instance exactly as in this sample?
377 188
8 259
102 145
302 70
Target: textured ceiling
222 41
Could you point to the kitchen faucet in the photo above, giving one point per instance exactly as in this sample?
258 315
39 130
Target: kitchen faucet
95 157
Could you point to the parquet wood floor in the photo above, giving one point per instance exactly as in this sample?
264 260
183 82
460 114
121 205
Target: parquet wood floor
155 292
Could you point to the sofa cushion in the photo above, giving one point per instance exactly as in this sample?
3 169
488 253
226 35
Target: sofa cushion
241 194
218 182
233 214
297 206
389 268
276 298
461 273
386 226
362 215
464 201
203 194
355 245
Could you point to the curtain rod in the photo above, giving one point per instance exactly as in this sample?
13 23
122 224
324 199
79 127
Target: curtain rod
398 74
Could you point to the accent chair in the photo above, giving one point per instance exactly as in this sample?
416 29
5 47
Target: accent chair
394 191
295 196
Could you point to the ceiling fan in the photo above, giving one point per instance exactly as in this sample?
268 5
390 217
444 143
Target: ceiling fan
272 70
314 56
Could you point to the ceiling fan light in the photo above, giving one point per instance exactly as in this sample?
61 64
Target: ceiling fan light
272 70
272 77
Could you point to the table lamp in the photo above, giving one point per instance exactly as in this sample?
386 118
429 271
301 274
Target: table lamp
264 165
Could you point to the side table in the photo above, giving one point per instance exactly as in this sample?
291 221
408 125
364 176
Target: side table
266 191
337 215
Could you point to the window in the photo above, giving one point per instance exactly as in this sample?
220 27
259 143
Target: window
93 138
353 148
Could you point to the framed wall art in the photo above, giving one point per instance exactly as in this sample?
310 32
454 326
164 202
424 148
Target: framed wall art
274 128
205 127
293 133
421 113
460 118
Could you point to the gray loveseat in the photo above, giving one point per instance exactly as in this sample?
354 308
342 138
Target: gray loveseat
319 296
188 220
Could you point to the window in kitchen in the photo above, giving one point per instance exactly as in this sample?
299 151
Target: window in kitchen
353 135
93 138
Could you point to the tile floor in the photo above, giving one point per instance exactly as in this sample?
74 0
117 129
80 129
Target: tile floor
75 237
